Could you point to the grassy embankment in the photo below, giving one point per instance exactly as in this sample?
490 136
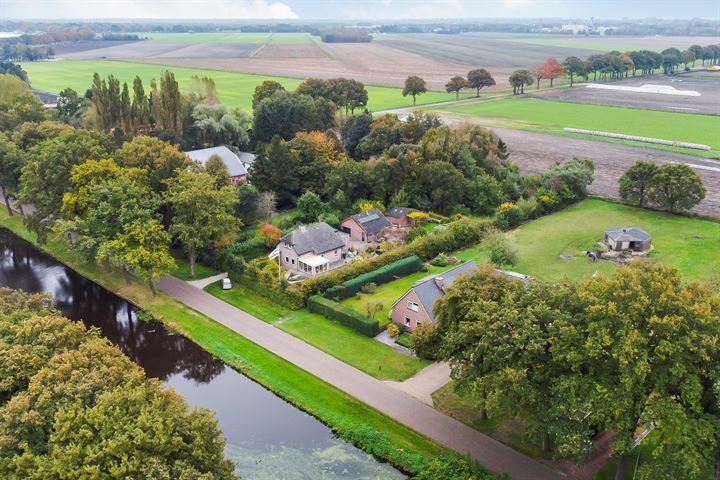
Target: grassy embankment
234 89
363 353
352 419
548 116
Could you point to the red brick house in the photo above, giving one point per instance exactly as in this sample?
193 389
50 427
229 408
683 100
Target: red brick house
366 226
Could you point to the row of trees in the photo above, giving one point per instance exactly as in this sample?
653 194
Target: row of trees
671 186
628 352
72 406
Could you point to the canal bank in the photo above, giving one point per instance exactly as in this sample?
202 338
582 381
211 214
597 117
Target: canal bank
350 419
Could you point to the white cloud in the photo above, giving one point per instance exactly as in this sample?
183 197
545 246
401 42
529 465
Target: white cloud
172 9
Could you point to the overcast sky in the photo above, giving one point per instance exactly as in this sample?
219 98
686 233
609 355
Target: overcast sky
355 9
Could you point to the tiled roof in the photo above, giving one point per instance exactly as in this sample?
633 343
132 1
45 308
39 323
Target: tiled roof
372 221
317 238
231 161
630 234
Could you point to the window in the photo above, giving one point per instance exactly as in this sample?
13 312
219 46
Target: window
336 251
407 321
287 259
418 323
293 261
412 306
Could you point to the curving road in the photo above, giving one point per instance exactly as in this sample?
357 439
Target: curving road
394 403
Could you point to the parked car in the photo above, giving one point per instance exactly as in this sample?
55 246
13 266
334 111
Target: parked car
226 284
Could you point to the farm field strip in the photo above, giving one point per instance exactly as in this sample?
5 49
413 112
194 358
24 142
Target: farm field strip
553 116
226 37
235 89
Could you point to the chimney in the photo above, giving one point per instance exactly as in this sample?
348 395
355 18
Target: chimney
440 282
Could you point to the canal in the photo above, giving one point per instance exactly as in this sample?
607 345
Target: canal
267 437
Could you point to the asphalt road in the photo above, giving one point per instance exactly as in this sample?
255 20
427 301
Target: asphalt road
394 403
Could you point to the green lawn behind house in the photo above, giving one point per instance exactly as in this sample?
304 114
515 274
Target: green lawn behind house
553 117
554 246
234 89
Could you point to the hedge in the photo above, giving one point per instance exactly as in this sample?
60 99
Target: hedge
461 234
343 315
385 274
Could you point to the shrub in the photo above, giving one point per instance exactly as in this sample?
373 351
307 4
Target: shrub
426 341
508 215
438 217
418 218
502 253
369 287
269 234
393 330
415 232
330 218
453 468
343 315
440 261
387 273
528 207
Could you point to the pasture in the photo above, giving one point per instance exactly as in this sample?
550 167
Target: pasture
234 89
553 247
545 115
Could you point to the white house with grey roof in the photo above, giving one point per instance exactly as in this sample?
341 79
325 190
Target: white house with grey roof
366 226
236 165
415 308
628 238
312 249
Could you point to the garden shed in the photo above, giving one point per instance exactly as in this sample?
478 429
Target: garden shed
628 238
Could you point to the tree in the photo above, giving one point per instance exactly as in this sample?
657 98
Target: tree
11 162
482 194
671 58
676 187
574 67
551 69
285 114
18 104
265 90
246 206
310 207
11 68
687 57
140 108
414 86
68 103
200 212
456 84
385 131
125 110
273 171
217 169
570 178
46 174
519 79
698 51
478 79
444 185
74 405
216 125
355 128
169 115
160 159
637 182
269 234
30 134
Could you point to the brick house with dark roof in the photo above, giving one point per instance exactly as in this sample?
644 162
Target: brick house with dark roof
399 216
366 226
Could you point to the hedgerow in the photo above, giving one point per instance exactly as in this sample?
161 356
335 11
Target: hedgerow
343 315
400 268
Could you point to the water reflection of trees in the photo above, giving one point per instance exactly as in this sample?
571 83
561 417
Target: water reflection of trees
147 343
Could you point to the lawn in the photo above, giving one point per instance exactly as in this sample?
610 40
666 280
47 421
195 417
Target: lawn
363 353
552 116
372 357
234 89
388 293
350 418
182 270
554 246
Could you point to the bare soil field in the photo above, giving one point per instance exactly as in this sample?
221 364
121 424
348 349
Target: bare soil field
478 50
708 102
65 48
289 50
212 50
143 49
370 63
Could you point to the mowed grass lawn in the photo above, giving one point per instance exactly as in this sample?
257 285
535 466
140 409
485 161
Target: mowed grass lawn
554 246
537 114
363 353
388 293
234 89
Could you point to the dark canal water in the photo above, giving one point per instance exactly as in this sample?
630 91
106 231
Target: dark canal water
267 437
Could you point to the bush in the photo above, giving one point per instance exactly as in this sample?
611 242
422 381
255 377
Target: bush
387 273
369 287
453 468
415 232
268 234
343 315
502 253
528 207
508 215
393 330
439 261
426 341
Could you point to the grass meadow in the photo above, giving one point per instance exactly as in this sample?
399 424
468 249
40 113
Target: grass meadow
551 116
234 89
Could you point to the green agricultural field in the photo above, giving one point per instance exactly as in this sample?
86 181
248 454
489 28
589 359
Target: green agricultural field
595 46
551 116
554 246
235 89
226 37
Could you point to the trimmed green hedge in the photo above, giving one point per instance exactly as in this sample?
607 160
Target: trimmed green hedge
388 273
343 315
